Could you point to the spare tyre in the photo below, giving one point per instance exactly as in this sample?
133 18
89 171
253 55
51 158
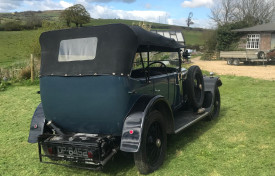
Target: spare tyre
195 87
261 55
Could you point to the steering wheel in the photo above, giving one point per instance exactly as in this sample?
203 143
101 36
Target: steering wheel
155 62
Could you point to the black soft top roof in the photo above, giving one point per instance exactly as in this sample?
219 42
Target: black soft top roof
116 49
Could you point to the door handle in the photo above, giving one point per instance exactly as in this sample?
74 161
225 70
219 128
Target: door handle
132 92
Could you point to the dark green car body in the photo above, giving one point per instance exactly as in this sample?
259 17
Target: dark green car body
96 99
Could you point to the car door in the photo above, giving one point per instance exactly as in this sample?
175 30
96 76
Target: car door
161 85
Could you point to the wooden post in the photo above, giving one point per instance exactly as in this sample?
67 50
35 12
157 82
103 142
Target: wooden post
32 68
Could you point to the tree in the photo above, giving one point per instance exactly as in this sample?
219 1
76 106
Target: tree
65 15
223 11
189 19
76 14
33 21
251 12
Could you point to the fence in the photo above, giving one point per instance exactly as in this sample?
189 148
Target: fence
22 70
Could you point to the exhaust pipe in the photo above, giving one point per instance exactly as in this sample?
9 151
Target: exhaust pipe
57 130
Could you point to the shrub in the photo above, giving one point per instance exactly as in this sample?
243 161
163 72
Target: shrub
25 73
13 26
33 22
193 47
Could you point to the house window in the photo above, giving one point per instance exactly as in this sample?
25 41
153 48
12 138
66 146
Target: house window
253 41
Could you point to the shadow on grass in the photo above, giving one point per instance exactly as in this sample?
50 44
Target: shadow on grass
179 141
121 162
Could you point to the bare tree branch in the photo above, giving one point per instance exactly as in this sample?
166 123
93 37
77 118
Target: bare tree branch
250 11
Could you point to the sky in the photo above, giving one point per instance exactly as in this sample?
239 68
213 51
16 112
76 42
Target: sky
162 11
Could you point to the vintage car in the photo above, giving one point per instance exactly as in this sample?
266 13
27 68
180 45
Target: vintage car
112 87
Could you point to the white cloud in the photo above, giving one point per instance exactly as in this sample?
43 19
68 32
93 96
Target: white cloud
11 5
47 4
6 5
105 12
65 4
197 3
103 1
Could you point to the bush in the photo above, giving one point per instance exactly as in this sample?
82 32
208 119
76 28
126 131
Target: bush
194 47
12 26
33 22
4 84
25 73
226 39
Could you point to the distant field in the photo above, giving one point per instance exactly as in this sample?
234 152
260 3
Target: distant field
14 46
96 22
193 37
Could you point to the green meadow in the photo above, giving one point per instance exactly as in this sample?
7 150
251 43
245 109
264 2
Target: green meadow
15 46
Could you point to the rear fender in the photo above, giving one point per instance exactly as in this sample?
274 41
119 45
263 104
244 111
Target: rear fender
210 84
135 120
37 124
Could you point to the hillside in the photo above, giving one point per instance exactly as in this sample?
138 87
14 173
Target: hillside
53 15
15 45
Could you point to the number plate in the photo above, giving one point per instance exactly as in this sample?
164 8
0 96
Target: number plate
72 152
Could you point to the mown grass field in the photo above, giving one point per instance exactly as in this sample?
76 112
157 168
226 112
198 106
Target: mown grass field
239 142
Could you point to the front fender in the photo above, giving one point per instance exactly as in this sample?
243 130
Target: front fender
37 124
210 83
135 120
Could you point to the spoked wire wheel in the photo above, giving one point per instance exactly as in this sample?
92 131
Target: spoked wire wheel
153 145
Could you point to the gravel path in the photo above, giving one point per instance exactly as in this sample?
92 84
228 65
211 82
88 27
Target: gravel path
221 68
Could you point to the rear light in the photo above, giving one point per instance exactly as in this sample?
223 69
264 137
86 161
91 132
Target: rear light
50 150
90 155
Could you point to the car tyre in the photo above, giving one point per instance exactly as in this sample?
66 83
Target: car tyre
153 144
261 55
195 87
215 109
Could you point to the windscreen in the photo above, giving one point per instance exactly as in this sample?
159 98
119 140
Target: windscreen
77 49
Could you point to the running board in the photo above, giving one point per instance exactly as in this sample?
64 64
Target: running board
184 119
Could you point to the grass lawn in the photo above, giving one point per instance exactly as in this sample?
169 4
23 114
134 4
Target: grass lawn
15 46
239 142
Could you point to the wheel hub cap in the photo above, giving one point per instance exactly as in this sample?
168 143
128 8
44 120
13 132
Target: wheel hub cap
158 143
